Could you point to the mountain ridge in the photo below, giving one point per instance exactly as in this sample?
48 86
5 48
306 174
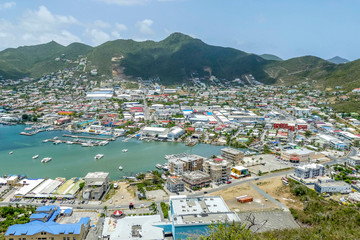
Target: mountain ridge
175 59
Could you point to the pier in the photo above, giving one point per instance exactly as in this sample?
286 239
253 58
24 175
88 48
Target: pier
89 137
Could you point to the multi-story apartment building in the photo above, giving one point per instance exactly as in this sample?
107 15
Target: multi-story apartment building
218 169
186 163
232 155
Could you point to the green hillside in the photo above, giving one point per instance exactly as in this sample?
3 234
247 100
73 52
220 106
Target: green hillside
36 60
175 59
270 57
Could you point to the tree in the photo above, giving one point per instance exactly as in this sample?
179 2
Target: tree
308 133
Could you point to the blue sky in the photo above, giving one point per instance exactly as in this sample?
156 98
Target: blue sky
287 28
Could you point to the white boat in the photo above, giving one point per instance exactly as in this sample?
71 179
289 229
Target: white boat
45 141
87 144
45 160
124 150
35 157
103 143
69 142
158 166
165 168
57 142
55 138
11 152
99 156
120 168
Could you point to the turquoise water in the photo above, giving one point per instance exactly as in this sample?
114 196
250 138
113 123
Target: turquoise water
75 161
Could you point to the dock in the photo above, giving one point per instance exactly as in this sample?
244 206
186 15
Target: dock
89 137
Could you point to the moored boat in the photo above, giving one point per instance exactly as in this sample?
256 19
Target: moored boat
45 160
99 156
35 157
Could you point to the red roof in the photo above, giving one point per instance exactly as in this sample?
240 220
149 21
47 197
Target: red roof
217 159
118 213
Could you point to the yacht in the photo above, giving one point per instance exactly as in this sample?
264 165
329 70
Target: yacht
124 150
165 168
99 156
55 138
35 157
87 144
158 166
45 160
69 142
57 142
120 168
45 141
11 152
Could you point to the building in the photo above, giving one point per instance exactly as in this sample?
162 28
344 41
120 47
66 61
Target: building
179 165
354 161
134 227
309 171
232 155
155 131
218 169
239 172
332 187
96 184
175 184
175 132
196 179
43 226
297 155
192 216
100 94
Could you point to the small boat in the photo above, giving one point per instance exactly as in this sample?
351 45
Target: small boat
45 160
165 168
35 157
124 150
69 142
120 168
11 152
99 156
57 142
158 166
45 141
55 138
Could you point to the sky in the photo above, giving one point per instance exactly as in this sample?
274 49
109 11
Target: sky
286 28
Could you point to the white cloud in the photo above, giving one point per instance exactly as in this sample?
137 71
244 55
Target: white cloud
7 5
120 27
97 36
35 27
145 26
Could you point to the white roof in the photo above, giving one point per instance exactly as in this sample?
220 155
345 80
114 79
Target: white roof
240 168
122 228
29 184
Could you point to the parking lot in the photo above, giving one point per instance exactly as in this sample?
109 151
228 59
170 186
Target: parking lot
265 163
270 220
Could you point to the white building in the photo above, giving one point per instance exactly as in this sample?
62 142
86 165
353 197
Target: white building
309 171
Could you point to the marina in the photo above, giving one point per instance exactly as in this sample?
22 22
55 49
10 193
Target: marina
72 160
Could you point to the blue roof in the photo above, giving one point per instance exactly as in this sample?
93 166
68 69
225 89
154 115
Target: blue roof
68 210
39 215
46 208
36 226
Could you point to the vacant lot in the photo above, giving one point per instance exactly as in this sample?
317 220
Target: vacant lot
275 188
259 202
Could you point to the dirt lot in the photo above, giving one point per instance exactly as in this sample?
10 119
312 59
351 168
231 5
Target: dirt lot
280 192
123 195
259 203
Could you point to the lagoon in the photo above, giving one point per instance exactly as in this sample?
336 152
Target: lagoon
76 161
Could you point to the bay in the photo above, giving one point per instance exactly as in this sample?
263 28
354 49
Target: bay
76 161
